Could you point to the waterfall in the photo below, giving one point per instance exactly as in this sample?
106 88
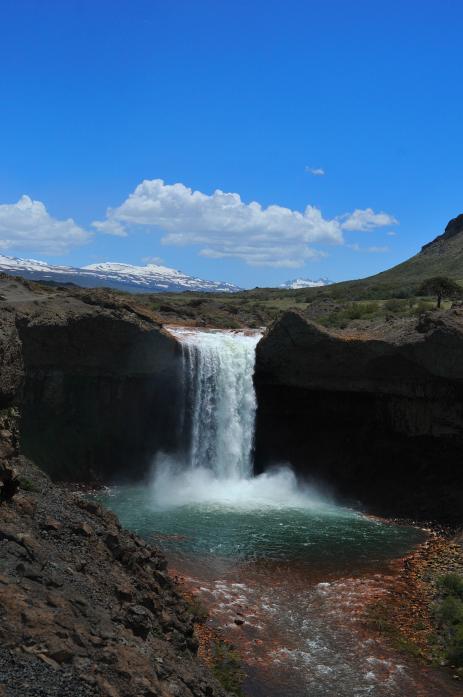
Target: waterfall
218 369
213 467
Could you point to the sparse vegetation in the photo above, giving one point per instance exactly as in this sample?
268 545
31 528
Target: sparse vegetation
261 307
25 484
198 610
377 618
449 616
226 666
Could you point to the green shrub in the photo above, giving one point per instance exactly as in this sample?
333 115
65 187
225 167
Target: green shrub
26 484
370 308
455 650
449 614
198 610
226 666
353 311
450 611
395 305
451 584
422 306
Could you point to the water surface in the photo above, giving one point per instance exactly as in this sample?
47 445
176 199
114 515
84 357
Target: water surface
295 568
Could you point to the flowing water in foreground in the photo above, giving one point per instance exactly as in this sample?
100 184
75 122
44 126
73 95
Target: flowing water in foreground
284 572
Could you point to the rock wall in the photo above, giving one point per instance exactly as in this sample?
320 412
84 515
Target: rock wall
377 417
98 384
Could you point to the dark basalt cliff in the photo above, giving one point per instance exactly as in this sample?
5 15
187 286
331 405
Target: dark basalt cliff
378 416
97 383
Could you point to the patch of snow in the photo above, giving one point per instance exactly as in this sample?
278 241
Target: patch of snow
306 283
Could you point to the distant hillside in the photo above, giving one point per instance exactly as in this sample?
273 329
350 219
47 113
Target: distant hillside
441 257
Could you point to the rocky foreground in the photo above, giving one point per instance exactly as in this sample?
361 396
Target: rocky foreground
86 608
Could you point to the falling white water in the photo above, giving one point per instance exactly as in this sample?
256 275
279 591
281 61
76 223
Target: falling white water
218 379
219 420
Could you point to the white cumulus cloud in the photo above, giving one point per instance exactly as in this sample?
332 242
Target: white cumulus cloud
366 219
222 225
27 224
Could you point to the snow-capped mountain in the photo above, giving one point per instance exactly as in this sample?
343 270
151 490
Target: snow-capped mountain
135 279
306 283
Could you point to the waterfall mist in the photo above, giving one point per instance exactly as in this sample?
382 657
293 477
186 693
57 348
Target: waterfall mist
218 423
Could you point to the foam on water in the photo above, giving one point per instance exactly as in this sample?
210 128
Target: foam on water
173 487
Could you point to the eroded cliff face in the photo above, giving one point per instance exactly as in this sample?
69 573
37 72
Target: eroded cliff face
378 416
98 384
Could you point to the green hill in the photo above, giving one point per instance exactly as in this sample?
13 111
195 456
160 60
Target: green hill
441 257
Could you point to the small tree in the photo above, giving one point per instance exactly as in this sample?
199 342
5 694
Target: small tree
441 287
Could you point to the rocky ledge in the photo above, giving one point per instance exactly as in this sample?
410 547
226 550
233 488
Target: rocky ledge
377 416
87 608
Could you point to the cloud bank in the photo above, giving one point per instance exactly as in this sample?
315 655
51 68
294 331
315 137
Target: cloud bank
220 225
27 223
224 226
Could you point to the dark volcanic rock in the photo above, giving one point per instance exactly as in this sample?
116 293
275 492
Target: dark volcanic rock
378 416
85 614
96 380
11 363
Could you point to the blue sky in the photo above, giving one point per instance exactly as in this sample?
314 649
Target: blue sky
97 97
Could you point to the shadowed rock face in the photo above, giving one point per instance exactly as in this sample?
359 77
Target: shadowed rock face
11 364
99 384
378 417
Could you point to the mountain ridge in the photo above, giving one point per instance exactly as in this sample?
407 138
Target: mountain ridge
152 278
